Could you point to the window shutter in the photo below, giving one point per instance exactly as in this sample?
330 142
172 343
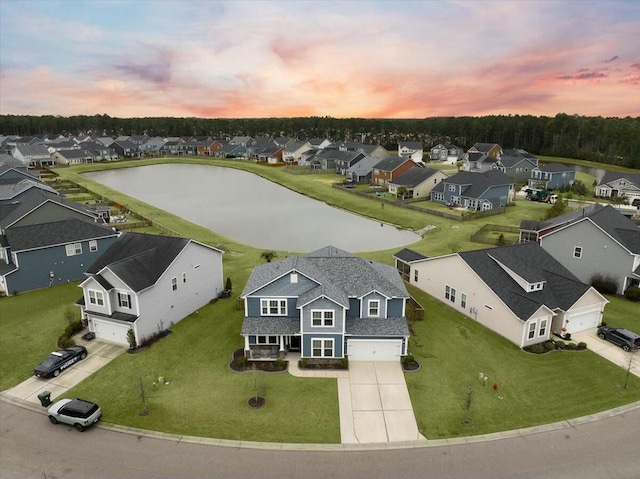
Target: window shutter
129 300
119 300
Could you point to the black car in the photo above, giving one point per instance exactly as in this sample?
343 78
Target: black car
58 361
624 338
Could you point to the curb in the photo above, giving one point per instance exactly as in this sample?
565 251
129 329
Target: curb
206 441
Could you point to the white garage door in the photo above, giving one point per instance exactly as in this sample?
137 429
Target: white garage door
374 350
583 321
108 331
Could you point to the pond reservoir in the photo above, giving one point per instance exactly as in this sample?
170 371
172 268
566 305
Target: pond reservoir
252 210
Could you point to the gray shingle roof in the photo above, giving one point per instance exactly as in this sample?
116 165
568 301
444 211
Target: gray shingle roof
408 256
13 187
377 327
412 145
484 147
479 182
270 326
139 259
339 273
391 163
414 176
610 176
561 289
56 233
556 167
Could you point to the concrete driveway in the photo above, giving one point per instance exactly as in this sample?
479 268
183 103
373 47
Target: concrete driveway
375 405
99 354
608 350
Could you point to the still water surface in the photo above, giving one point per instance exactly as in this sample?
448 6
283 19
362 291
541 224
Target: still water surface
251 210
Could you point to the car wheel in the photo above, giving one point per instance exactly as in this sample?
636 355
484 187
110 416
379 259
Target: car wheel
53 420
601 336
83 356
79 427
625 347
56 373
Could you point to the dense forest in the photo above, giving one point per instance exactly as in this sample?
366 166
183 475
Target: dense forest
608 140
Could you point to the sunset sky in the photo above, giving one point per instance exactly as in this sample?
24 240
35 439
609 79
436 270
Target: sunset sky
387 59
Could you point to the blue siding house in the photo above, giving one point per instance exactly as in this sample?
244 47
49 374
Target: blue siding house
552 176
325 304
475 191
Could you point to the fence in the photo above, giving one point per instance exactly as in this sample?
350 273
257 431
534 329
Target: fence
480 236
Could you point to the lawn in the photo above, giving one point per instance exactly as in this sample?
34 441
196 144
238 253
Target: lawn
31 323
587 164
531 389
206 398
621 313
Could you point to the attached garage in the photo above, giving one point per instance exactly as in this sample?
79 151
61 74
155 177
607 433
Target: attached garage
374 349
109 331
582 321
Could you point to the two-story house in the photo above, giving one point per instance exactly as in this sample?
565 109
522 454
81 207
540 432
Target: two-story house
36 156
325 304
594 241
447 153
552 176
411 150
492 150
148 283
388 169
517 164
475 191
343 160
521 292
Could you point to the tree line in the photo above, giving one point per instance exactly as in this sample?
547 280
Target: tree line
607 140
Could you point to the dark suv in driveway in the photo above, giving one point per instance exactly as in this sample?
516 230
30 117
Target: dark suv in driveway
624 338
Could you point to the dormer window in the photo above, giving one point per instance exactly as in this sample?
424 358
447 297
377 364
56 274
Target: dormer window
534 286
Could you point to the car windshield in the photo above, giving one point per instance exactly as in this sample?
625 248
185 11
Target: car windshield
50 361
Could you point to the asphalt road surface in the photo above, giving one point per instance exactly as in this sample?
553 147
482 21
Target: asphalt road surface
31 447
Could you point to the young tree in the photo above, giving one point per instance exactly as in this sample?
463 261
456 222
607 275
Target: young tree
268 255
402 192
559 208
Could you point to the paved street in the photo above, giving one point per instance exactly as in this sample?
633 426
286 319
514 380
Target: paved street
583 449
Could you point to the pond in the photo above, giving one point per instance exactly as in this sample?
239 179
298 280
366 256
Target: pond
251 210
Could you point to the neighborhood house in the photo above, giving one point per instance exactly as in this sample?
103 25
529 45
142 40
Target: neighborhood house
325 304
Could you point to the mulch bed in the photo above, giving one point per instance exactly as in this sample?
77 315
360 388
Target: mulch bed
331 364
240 364
410 365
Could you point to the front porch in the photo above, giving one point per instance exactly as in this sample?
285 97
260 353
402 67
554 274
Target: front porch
270 348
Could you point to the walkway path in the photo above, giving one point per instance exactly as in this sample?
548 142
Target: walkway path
374 402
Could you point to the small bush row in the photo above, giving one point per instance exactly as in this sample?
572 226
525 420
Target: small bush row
632 293
541 348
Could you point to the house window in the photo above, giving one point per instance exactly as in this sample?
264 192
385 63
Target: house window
532 330
96 297
93 245
174 283
415 275
323 318
577 252
184 277
374 308
74 249
450 294
266 339
322 348
273 307
463 301
543 328
452 187
124 300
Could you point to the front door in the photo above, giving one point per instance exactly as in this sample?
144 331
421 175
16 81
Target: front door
294 343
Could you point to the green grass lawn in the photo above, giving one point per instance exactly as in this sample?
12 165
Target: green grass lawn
621 313
206 398
31 324
532 389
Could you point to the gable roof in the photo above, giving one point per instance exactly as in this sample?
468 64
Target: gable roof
56 233
139 259
339 274
392 163
556 168
478 182
414 176
485 147
33 150
10 188
510 161
610 176
412 145
561 289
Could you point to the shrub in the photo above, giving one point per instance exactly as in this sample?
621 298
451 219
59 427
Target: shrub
549 345
65 341
536 348
227 284
571 346
582 345
605 284
304 362
408 359
281 363
632 293
243 360
344 362
72 328
561 344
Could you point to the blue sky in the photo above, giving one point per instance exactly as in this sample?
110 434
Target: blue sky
403 59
